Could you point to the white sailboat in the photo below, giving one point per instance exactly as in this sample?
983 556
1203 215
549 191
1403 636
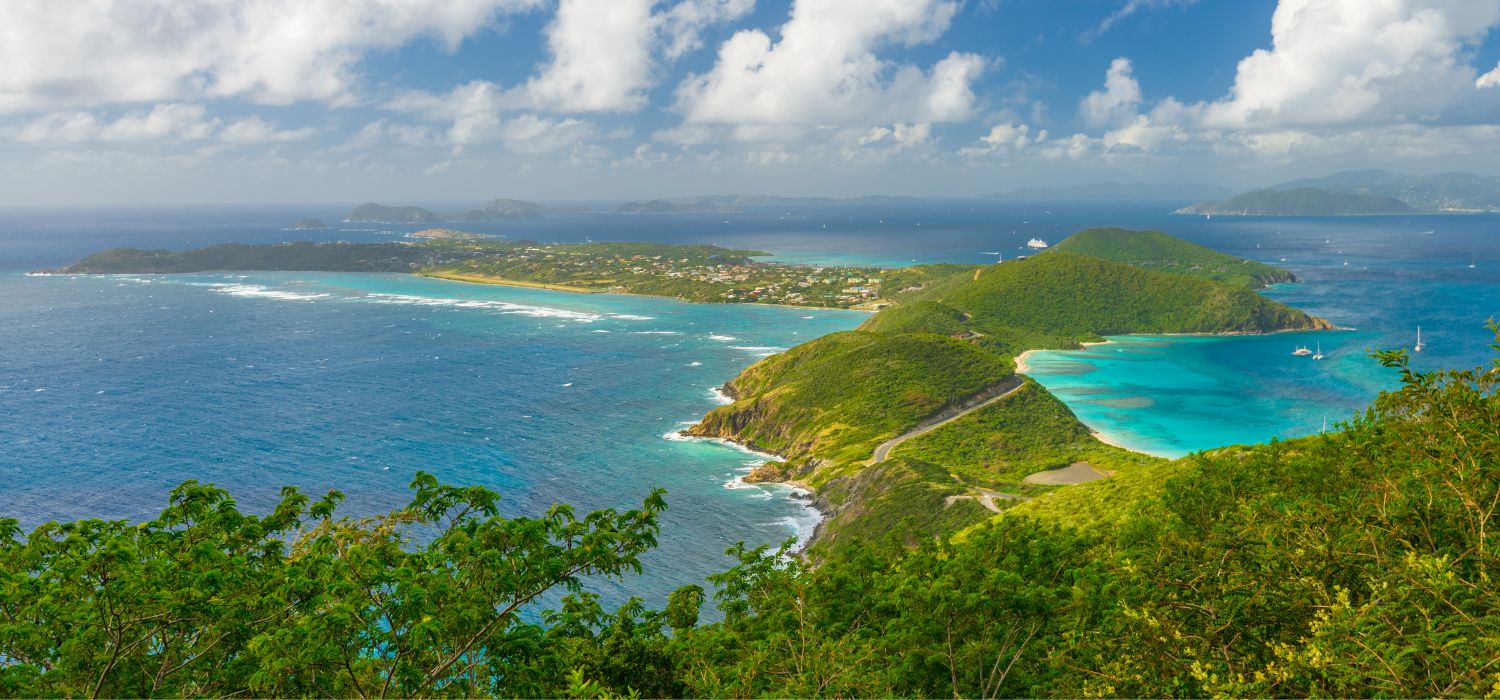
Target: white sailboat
1301 351
1319 354
1418 347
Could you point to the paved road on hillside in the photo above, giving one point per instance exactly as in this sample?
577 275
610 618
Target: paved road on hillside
1013 384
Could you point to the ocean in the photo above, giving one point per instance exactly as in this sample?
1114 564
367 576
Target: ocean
114 389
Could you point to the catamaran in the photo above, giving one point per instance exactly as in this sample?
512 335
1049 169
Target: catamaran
1418 347
1319 354
1301 351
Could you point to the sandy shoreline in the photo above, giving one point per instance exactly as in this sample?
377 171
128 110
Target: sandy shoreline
503 282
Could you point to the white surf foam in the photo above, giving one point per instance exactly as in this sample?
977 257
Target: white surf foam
260 292
722 338
719 396
504 307
632 317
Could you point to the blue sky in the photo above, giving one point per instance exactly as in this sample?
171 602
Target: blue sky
161 101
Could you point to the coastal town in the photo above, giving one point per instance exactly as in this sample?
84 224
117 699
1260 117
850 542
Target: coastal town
699 273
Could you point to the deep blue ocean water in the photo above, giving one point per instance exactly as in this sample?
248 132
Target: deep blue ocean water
113 389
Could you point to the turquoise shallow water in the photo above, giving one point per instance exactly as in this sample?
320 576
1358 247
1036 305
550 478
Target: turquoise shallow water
1377 278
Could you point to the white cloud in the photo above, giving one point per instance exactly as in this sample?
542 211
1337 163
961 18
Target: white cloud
1008 136
256 130
601 57
684 23
1490 79
529 133
824 70
61 55
1117 103
175 122
1357 61
1131 7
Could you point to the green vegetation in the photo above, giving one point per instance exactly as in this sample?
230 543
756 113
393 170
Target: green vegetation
1356 563
1302 201
331 257
832 400
1029 432
1158 251
1059 299
943 350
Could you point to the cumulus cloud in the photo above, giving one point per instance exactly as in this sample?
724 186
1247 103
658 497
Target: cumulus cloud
173 121
1117 103
825 70
1357 61
1335 68
684 23
1490 79
60 55
251 130
601 57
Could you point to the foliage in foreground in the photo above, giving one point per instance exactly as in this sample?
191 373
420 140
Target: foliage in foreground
206 600
1356 563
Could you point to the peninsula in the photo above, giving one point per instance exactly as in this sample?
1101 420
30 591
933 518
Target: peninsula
918 418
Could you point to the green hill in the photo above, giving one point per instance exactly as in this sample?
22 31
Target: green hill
832 399
1302 201
1060 298
945 347
1159 251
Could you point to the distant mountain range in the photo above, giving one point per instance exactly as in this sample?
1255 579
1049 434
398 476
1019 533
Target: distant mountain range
500 208
1110 191
732 203
1302 201
1357 192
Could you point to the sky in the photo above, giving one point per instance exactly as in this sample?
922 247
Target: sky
264 101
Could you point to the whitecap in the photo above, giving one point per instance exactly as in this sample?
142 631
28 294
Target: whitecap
655 333
260 292
719 396
722 338
632 317
695 364
501 306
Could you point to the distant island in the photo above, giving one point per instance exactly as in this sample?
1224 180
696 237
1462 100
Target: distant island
310 225
734 203
505 209
1303 201
1361 192
381 214
1114 191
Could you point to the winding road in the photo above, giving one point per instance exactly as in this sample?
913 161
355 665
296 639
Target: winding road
1008 386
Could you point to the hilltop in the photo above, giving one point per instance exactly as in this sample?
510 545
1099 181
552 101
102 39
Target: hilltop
1302 201
1159 251
947 347
505 209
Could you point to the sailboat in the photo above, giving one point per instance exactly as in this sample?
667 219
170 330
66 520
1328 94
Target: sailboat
1301 351
1418 347
1319 354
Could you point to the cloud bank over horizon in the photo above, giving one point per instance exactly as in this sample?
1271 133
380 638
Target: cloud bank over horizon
266 100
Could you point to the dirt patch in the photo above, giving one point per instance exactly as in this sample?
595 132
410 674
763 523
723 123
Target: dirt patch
1075 473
